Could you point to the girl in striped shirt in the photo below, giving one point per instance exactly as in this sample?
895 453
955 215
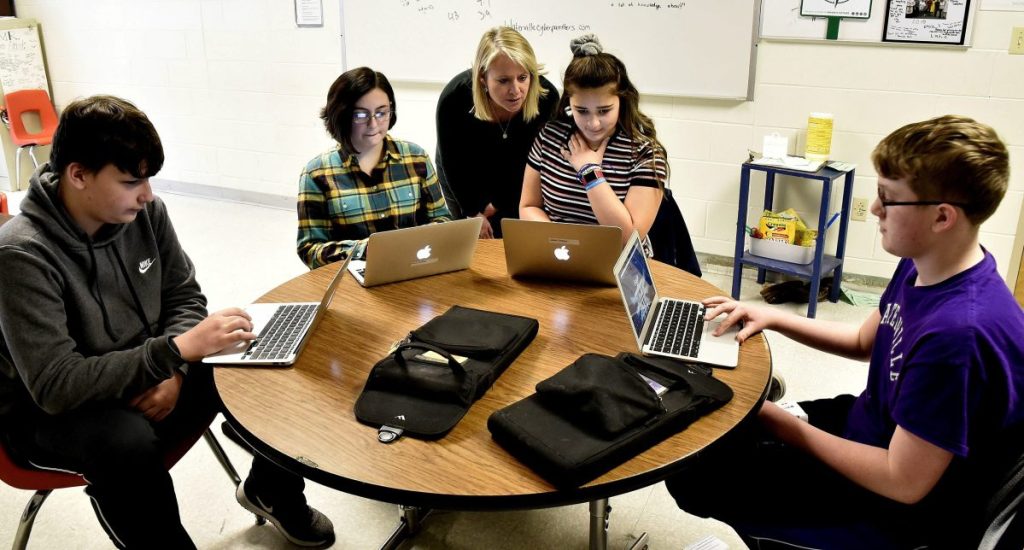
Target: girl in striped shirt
599 161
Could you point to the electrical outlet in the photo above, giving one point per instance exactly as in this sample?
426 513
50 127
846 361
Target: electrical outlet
1017 40
859 210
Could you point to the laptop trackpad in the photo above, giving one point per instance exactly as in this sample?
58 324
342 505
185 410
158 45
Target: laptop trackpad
722 350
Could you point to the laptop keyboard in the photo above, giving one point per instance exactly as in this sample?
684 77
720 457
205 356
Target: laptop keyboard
282 333
680 325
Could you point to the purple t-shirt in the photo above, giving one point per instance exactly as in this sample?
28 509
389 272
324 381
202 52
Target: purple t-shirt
947 364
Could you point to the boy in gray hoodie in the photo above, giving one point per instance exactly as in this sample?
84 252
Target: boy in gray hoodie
102 325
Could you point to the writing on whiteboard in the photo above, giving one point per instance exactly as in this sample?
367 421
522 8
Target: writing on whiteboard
542 28
652 5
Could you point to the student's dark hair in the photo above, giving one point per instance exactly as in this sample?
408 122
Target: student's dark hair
948 158
592 68
101 130
342 98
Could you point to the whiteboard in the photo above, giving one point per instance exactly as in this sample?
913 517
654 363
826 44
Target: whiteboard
21 59
692 48
781 19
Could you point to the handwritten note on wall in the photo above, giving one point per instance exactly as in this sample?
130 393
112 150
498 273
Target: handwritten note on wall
21 60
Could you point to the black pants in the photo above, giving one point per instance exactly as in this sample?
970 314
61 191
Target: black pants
120 453
776 496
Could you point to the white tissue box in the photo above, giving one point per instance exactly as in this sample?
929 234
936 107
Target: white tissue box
775 146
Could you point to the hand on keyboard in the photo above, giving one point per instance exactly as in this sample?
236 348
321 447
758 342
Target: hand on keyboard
218 331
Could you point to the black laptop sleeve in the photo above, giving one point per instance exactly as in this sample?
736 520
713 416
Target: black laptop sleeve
426 399
599 412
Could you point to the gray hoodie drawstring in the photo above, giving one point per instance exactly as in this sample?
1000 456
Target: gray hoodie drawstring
94 289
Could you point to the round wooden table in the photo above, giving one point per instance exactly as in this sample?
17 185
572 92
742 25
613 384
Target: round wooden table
302 416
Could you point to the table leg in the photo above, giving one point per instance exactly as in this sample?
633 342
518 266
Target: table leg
599 512
409 524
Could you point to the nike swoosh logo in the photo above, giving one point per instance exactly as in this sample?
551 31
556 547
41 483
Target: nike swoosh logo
145 265
269 509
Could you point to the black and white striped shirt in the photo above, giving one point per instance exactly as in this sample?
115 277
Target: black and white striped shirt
626 163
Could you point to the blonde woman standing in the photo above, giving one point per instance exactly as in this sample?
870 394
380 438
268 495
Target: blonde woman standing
487 119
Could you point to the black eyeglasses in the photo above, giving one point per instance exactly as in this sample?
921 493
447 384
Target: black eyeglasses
920 203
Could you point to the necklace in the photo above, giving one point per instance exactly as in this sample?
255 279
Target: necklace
504 129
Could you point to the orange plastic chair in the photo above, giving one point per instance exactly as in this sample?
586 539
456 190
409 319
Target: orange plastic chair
3 203
43 482
23 102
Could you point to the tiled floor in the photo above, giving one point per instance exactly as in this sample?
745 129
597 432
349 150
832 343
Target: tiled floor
241 251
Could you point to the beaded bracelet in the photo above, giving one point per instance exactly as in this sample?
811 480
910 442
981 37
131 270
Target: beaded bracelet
595 183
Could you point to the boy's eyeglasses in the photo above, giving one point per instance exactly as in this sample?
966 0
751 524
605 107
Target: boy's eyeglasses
363 117
920 203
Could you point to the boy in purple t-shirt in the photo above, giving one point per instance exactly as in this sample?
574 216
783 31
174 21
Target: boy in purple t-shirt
912 460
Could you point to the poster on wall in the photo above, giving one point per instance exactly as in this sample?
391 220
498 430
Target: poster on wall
855 9
926 21
21 60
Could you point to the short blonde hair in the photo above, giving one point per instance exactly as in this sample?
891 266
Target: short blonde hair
948 158
507 41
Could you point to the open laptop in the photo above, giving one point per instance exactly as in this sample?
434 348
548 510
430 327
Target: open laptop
402 254
282 329
667 326
568 251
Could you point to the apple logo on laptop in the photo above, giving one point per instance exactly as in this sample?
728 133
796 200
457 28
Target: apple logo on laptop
562 253
423 253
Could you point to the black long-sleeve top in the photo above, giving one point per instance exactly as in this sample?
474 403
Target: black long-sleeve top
474 160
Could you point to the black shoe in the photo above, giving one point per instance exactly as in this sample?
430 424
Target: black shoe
300 523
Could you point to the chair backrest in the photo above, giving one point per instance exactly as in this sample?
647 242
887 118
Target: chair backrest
27 101
670 237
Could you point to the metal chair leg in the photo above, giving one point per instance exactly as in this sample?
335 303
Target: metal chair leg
222 457
28 517
225 463
16 185
32 155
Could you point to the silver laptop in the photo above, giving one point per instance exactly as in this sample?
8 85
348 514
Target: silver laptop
282 329
667 326
430 249
568 251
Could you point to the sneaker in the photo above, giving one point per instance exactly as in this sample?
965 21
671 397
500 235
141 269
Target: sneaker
300 523
777 388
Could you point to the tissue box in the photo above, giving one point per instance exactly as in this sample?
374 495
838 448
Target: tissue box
778 250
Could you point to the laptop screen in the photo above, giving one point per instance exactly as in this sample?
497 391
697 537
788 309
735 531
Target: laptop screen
637 286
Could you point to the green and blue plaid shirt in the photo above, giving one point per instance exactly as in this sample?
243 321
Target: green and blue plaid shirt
340 205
